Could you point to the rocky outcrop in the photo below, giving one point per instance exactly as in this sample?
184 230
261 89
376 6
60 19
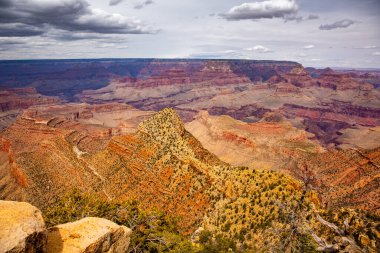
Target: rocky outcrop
22 228
22 98
272 145
55 139
337 81
13 101
328 122
12 179
88 235
347 177
327 101
350 178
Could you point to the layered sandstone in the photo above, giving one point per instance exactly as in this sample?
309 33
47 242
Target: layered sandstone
164 167
324 101
46 145
271 145
22 98
346 178
53 152
13 101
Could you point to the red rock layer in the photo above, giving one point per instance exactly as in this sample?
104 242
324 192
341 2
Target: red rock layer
50 154
22 98
349 178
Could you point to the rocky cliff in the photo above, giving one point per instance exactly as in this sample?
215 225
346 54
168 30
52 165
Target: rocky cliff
163 167
325 102
14 100
346 178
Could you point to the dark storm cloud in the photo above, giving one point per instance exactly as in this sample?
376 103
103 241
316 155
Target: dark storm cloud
142 4
259 10
115 2
69 15
5 3
70 36
19 30
338 24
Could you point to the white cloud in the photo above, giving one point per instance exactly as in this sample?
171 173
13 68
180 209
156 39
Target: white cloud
370 47
376 53
309 46
265 9
259 48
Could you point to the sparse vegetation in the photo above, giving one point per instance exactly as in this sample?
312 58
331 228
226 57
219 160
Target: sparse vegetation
176 187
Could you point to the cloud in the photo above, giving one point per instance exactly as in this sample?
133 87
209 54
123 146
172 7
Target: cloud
5 3
143 4
19 30
259 48
34 17
297 18
11 41
293 17
218 52
344 23
259 10
376 53
72 36
115 2
312 17
309 46
367 47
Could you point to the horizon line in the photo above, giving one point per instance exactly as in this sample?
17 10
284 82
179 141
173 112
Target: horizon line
184 58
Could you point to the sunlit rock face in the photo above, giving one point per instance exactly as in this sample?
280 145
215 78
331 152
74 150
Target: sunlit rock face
22 228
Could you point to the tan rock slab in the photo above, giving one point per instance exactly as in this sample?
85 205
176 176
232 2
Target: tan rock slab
22 228
88 235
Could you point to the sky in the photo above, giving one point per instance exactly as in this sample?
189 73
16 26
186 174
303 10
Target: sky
317 33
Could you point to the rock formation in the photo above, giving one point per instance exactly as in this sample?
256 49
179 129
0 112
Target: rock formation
12 101
326 102
22 229
88 235
271 145
346 178
163 167
316 125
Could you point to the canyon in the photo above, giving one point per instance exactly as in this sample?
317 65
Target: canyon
234 146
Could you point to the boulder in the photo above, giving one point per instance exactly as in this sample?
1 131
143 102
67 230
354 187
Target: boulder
22 228
88 235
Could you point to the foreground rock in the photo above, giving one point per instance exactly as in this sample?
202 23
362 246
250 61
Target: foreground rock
22 228
89 235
